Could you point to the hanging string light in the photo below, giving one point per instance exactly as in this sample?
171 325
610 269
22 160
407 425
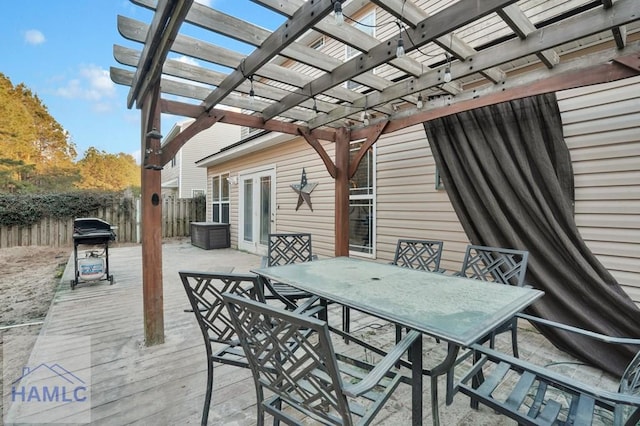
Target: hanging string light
400 46
252 94
447 70
420 102
337 12
315 106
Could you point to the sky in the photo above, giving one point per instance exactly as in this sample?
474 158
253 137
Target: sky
62 51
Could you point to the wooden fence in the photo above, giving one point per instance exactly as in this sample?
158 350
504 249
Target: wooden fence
177 214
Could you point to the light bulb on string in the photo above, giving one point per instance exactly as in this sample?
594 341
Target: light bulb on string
447 70
252 93
420 102
447 74
400 48
337 12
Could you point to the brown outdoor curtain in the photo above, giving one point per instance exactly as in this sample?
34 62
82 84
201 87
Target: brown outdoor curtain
507 171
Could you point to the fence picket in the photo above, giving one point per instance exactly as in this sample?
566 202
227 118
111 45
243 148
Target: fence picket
176 216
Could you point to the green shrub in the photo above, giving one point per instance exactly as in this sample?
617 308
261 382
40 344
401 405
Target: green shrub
27 209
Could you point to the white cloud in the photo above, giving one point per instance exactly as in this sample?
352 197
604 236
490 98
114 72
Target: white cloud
136 155
205 2
34 37
93 84
187 60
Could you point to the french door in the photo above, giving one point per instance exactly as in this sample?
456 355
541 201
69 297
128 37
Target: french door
257 194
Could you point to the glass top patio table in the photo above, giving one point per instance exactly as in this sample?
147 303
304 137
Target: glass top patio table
454 309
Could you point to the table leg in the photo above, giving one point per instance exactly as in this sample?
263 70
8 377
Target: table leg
415 354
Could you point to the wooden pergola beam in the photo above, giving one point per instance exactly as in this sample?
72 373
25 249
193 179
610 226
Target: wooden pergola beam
308 14
624 67
136 31
232 117
588 23
411 13
434 26
152 292
163 30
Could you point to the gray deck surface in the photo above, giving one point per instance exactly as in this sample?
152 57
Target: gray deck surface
165 384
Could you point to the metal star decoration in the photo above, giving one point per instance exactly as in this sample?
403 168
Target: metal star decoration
304 189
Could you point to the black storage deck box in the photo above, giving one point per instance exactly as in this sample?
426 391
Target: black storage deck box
210 235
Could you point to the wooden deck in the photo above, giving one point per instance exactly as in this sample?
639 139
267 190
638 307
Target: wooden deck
164 385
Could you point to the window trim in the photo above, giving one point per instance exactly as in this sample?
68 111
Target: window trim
219 203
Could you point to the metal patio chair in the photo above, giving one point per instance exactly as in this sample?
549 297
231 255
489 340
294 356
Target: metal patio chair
314 382
283 249
204 291
534 395
498 265
423 255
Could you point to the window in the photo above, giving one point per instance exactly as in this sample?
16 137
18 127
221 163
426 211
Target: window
366 24
197 193
220 198
361 203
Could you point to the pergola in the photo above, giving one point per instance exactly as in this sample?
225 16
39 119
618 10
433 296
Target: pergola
284 85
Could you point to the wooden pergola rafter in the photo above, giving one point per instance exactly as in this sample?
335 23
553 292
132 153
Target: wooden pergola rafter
302 91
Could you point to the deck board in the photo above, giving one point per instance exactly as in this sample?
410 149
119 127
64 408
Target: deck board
165 384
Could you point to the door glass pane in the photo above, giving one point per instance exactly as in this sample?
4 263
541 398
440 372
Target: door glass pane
265 209
248 210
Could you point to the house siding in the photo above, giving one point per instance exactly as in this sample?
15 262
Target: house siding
190 176
290 157
601 130
600 127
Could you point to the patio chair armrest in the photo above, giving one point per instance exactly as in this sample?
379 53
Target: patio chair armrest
307 307
548 376
383 367
581 331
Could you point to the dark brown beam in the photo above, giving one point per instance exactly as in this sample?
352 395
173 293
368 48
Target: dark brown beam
341 219
152 296
374 134
171 148
624 67
313 141
252 121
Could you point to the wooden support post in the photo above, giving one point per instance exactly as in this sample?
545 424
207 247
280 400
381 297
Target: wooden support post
342 193
152 225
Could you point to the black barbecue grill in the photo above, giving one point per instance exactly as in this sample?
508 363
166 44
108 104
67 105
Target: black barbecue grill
95 265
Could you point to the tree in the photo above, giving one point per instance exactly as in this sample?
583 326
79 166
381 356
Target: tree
35 150
112 172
